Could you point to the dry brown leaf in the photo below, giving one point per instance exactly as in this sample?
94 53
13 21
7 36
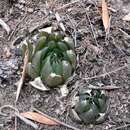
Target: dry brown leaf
38 118
127 17
105 15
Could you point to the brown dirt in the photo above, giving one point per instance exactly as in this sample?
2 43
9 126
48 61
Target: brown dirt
82 21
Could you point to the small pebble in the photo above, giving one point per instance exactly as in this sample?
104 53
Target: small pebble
30 10
22 1
1 71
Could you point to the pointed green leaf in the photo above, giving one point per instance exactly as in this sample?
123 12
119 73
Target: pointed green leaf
90 116
36 62
51 45
103 105
51 37
31 71
41 43
58 37
54 80
45 34
67 70
57 67
72 57
44 51
30 50
82 106
69 41
46 69
62 46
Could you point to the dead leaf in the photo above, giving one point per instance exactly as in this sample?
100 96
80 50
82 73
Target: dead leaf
38 118
64 91
38 84
48 30
127 17
105 15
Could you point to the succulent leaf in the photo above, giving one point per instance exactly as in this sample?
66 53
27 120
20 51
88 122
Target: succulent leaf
47 69
31 71
57 67
41 43
102 102
51 37
52 58
45 34
30 50
62 46
36 62
89 116
91 106
67 70
58 37
51 45
82 106
53 79
72 57
69 41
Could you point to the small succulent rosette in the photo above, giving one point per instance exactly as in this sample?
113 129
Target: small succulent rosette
91 107
52 58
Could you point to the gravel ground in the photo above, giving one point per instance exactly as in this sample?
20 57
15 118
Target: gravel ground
96 55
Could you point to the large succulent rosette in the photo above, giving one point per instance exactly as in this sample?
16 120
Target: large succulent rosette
91 107
53 59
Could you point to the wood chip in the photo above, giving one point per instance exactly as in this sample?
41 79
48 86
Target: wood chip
127 17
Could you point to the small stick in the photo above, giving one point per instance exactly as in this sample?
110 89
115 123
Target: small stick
58 18
28 122
92 28
5 26
67 5
57 121
16 27
20 83
18 115
122 127
107 73
104 88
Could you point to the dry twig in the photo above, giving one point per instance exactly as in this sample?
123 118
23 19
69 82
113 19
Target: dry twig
28 122
20 82
5 26
16 27
67 5
18 115
108 88
122 127
107 73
